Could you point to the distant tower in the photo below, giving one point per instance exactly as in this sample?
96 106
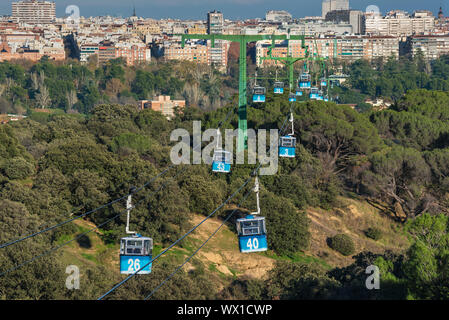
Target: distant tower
134 17
440 14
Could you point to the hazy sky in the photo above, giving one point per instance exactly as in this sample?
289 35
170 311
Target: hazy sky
232 9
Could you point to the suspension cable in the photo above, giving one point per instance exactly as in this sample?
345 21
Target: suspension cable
84 233
82 215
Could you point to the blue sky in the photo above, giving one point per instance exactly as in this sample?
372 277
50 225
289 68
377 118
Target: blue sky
233 9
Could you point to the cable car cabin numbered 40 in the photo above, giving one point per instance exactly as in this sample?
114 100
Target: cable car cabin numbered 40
135 253
287 147
252 234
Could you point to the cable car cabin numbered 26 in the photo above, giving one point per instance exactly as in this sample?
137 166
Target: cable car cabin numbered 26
252 234
135 253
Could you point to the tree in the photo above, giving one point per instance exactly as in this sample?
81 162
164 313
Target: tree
17 168
287 228
428 258
398 175
43 97
72 99
297 281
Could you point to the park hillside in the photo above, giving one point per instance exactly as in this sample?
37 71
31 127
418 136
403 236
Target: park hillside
367 186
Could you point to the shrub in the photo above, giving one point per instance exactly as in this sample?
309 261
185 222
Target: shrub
373 233
343 244
18 168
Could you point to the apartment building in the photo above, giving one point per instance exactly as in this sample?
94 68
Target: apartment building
132 54
30 44
278 16
399 23
215 22
193 52
162 104
432 46
349 48
218 54
197 29
333 5
34 12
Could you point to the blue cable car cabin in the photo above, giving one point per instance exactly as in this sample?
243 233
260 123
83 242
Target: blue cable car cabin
259 94
135 253
323 82
305 81
222 161
314 93
292 97
252 234
299 92
279 87
287 147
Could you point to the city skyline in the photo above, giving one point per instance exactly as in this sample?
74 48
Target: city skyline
232 9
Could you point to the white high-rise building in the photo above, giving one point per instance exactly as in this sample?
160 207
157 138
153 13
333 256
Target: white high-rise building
34 12
278 16
331 5
215 25
400 23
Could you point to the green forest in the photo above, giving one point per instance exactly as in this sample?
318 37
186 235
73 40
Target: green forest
96 144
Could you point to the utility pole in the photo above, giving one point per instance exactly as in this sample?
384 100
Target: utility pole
243 40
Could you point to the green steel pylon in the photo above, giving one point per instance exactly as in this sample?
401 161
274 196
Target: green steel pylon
243 40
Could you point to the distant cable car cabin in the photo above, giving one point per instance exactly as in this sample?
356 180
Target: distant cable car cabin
287 144
299 92
292 97
259 94
305 81
279 87
287 147
314 93
323 82
221 161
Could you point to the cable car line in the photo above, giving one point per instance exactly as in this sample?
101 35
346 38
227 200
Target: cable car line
177 241
199 248
218 229
86 232
84 214
193 229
